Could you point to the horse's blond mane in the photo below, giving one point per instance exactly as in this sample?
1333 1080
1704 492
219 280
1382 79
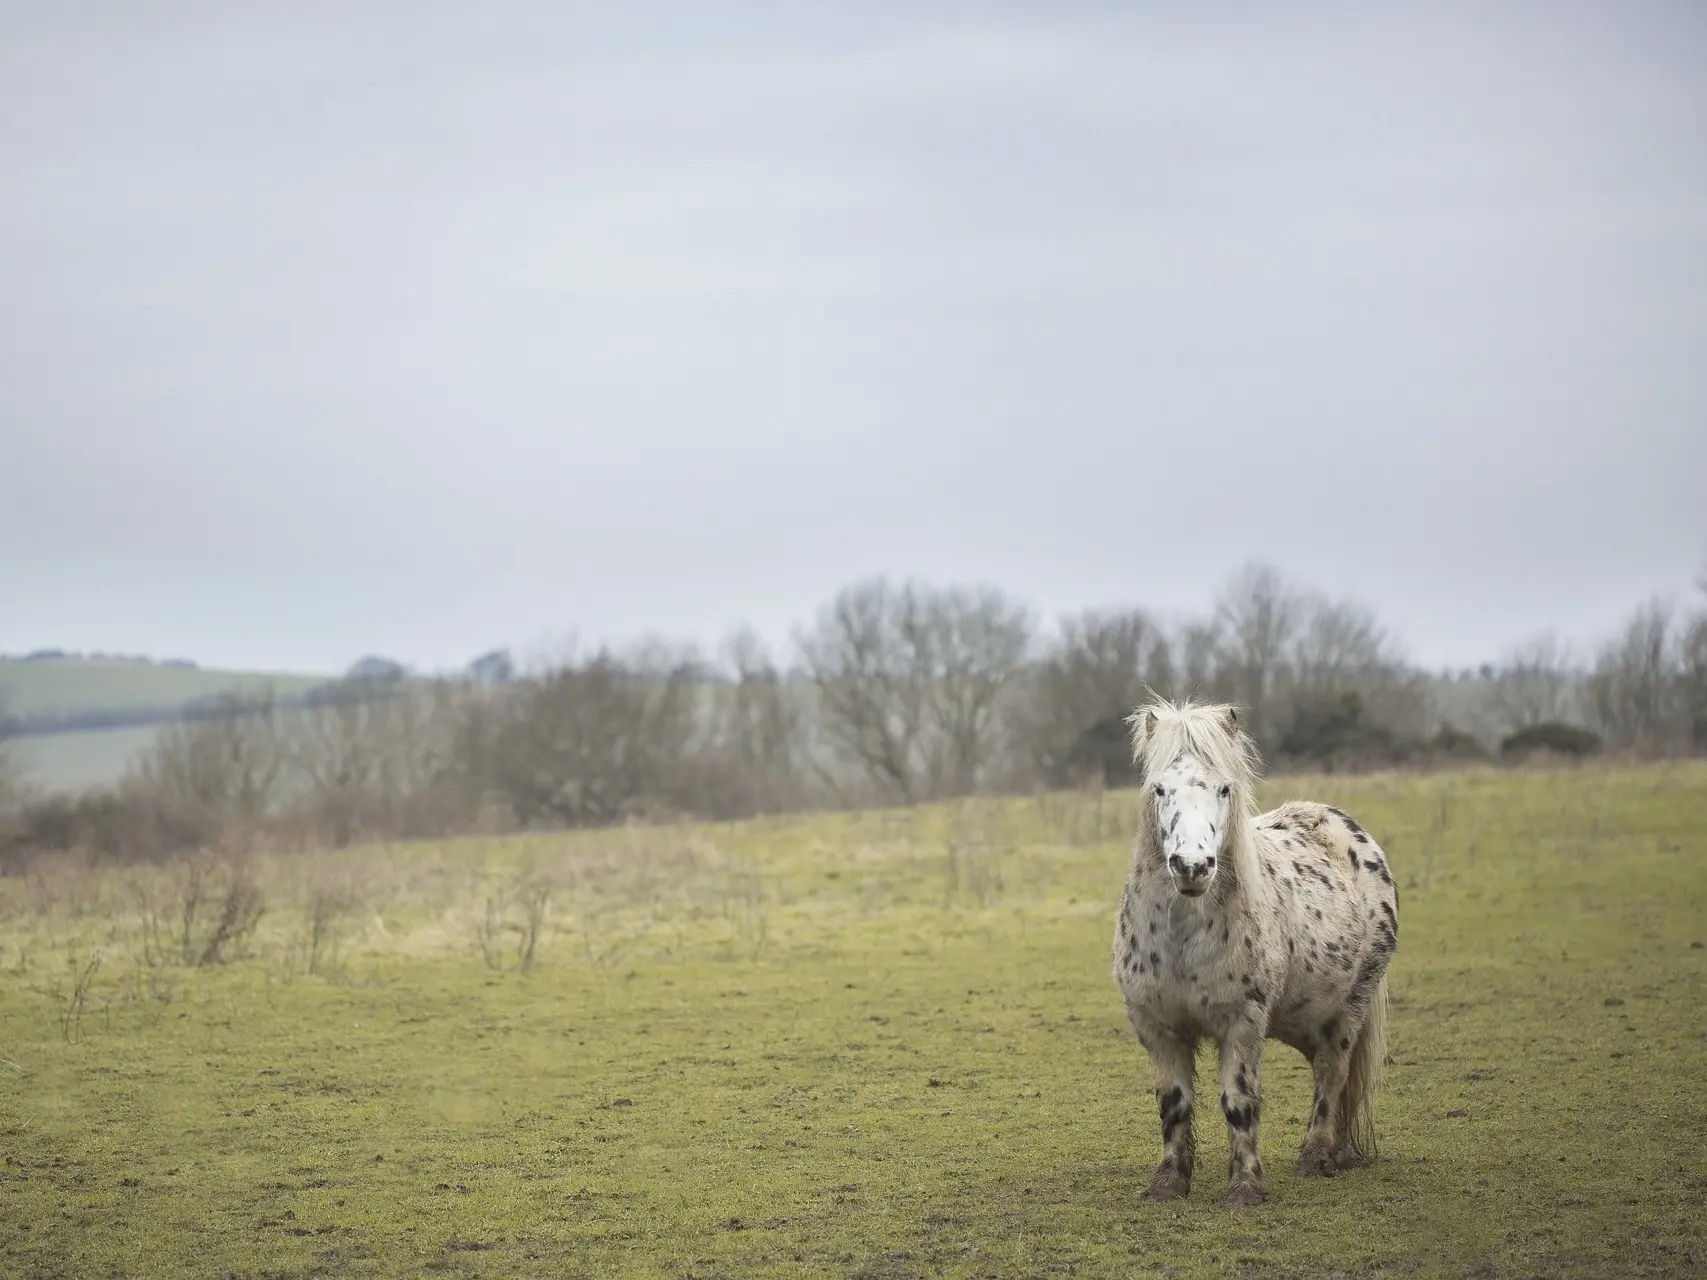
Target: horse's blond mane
1162 732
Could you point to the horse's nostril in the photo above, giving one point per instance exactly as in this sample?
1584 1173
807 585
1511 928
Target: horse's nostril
1211 864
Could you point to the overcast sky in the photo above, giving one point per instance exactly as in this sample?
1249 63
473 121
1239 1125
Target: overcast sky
408 328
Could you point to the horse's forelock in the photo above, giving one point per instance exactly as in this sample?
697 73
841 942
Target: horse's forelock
1164 731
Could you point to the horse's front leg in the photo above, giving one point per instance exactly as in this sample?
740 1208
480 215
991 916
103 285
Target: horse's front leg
1176 1066
1241 1104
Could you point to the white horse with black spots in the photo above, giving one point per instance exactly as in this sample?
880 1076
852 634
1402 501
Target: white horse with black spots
1237 927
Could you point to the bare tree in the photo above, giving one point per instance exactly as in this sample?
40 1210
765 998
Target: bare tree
1257 617
909 679
1077 697
1197 649
228 765
1694 671
341 754
9 786
979 640
1533 685
869 659
1336 645
496 666
760 726
1634 682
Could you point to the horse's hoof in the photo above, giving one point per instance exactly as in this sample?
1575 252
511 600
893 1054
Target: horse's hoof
1166 1186
1313 1162
1242 1195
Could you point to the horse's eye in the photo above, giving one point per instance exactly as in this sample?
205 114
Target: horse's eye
1160 790
1226 790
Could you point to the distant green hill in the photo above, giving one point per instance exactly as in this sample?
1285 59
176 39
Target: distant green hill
81 720
37 690
71 762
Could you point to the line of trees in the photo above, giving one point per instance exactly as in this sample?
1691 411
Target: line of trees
895 693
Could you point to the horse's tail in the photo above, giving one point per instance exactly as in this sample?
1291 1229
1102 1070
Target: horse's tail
1364 1074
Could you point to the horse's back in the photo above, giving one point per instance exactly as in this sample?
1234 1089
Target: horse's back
1326 846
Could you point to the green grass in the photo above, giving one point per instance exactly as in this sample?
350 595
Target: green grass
66 686
878 1044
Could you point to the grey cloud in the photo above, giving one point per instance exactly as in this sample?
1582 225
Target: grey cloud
414 329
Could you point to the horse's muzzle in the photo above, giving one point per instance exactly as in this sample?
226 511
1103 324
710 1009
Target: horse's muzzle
1191 879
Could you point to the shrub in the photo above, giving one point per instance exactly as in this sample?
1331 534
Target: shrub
1452 743
1552 736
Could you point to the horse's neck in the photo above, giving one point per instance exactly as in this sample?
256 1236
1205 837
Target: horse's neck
1245 862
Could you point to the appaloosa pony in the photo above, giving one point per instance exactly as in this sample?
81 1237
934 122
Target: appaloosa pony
1237 927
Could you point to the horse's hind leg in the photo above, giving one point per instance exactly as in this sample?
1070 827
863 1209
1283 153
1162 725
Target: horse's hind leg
1345 1155
1327 1114
1176 1062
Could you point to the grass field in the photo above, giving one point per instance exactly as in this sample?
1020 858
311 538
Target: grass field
879 1044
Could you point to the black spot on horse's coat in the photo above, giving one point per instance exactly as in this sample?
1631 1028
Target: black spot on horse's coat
1240 1117
1249 945
1257 996
1172 823
1352 854
1318 912
1292 946
1176 1110
1156 960
1345 1042
1368 974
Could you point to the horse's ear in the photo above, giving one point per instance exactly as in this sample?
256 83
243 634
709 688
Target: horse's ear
1230 720
1143 723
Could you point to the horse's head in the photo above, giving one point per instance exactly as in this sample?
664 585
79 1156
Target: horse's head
1196 780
